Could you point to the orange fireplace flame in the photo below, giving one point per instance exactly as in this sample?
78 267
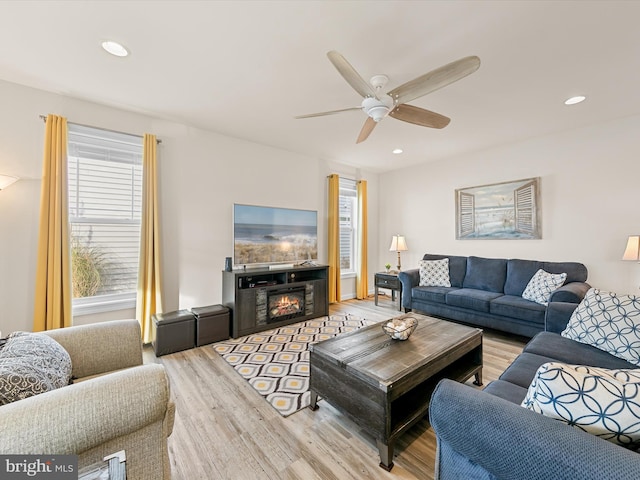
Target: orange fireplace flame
285 305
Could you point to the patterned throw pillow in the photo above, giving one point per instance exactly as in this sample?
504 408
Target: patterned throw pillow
542 285
609 322
434 273
32 363
603 402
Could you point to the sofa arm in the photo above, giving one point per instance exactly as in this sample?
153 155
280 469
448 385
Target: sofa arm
558 315
101 347
572 292
82 416
508 441
409 279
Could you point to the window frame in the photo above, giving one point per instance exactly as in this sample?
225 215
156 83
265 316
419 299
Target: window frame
348 192
103 303
106 302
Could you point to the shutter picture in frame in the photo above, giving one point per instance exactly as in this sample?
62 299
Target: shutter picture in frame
507 210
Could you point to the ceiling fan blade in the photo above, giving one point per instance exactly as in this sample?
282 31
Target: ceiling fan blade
419 116
367 128
435 79
349 73
331 112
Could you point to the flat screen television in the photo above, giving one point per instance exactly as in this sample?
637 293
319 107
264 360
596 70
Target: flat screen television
272 235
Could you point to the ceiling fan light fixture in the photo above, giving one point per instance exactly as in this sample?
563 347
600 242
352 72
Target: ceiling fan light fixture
397 151
114 48
378 113
377 109
575 100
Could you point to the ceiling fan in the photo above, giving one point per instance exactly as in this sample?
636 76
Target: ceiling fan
377 104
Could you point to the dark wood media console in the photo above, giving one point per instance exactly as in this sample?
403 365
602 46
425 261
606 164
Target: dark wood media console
263 298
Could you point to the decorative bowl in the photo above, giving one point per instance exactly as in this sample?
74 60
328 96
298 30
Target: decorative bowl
400 328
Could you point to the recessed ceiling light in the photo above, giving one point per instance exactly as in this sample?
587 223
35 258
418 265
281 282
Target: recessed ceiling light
114 48
574 100
397 151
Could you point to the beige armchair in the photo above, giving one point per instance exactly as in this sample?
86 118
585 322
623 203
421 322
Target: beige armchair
116 403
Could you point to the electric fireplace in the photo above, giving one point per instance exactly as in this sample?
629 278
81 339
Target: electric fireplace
285 303
262 298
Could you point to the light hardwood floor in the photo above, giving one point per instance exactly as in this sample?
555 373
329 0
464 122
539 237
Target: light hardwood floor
225 430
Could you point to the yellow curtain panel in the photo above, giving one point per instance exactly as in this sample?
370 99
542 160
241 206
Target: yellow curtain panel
362 283
149 296
53 293
333 240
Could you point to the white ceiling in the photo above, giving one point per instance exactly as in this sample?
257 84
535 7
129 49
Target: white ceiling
246 68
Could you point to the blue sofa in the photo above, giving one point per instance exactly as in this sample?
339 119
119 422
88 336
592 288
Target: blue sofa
488 435
487 292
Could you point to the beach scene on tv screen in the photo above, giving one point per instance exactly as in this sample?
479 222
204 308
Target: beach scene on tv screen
274 235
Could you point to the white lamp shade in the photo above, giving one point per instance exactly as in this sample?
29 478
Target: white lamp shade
398 244
632 252
6 180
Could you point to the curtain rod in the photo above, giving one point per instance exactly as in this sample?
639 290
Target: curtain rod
44 119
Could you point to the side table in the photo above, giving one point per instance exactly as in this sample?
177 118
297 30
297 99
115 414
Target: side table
389 281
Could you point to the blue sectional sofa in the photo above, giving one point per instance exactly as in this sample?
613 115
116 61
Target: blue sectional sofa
487 435
487 292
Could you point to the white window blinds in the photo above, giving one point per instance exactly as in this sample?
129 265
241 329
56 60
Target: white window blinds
348 223
105 184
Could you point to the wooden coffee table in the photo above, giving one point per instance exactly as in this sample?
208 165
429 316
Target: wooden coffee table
385 385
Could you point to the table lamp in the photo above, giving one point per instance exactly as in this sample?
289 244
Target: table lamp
398 244
632 252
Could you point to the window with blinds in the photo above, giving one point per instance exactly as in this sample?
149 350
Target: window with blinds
348 223
105 200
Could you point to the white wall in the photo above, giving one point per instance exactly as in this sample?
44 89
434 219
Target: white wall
589 197
202 174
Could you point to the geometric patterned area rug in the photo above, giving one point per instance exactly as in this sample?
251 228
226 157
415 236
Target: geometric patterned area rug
276 362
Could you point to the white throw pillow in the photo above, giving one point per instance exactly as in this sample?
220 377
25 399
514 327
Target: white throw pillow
603 402
542 285
609 322
434 273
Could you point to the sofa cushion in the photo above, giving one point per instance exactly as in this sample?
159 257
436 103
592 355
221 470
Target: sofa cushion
434 273
542 285
603 402
519 273
523 369
32 363
565 350
518 307
609 322
478 300
487 274
431 294
457 267
507 391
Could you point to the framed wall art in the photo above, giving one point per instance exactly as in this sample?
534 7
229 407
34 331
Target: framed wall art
507 210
